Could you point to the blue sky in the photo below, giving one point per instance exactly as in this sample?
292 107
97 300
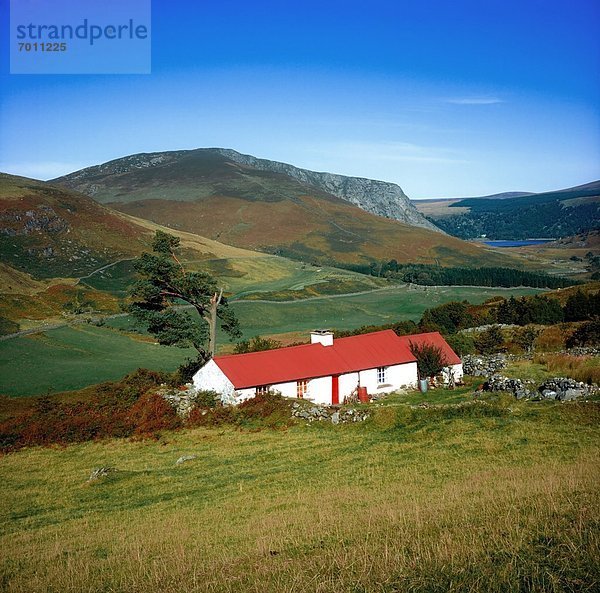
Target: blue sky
445 98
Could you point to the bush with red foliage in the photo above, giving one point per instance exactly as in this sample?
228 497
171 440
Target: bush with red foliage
264 405
269 410
217 416
112 409
151 414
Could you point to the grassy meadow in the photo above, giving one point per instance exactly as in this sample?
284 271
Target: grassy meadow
73 357
498 496
80 355
346 312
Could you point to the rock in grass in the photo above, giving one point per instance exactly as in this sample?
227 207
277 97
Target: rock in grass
570 394
549 393
101 472
185 458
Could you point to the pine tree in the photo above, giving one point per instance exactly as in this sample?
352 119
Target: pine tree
164 285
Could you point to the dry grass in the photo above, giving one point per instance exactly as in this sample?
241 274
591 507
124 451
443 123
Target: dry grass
440 208
580 368
331 229
553 337
496 503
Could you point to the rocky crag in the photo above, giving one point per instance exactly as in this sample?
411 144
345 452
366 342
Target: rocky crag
378 197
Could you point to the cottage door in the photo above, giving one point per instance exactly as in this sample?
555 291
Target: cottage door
335 390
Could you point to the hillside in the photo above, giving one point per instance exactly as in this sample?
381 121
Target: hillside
188 175
49 231
557 214
206 193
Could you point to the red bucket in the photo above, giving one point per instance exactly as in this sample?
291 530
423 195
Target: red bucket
363 396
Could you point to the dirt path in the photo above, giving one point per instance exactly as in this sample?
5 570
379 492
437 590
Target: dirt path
44 328
316 298
104 268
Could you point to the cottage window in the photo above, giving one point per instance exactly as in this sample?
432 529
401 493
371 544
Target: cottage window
381 375
263 389
301 388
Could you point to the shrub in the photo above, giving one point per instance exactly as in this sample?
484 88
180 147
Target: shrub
105 412
490 340
461 344
401 328
269 409
186 371
151 414
207 399
256 344
216 416
430 359
588 334
525 338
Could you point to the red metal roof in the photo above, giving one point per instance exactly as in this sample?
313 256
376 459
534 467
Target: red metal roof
346 355
433 339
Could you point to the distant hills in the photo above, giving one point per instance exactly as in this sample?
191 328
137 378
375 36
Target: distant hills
274 208
502 196
557 214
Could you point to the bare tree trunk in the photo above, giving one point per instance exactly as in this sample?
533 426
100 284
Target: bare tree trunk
211 319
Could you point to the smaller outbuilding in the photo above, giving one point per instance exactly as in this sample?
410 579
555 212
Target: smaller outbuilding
327 370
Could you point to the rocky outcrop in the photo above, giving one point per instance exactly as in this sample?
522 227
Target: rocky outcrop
101 472
185 459
520 389
378 197
182 400
41 219
566 389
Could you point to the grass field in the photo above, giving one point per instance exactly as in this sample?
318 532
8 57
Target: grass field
345 312
500 497
248 275
73 357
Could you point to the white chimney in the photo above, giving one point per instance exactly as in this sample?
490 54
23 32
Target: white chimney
321 336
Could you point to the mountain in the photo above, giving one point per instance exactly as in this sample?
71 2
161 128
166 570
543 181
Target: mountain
208 193
378 197
191 174
558 213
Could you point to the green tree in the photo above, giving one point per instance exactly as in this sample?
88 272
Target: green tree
577 307
256 344
525 338
490 340
587 334
461 344
430 359
448 318
163 285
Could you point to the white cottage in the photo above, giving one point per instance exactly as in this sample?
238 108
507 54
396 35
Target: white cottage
324 371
